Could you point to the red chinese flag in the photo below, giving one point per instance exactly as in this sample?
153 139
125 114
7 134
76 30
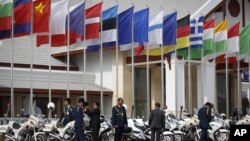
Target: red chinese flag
41 13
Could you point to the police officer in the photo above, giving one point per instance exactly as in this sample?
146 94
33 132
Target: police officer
78 117
119 119
66 116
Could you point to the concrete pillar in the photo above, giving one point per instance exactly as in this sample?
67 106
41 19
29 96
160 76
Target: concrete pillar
208 79
175 84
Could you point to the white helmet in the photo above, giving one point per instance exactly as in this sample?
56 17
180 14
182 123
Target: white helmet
51 106
125 106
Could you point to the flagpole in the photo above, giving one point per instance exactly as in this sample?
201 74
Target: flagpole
31 61
238 79
117 58
227 92
176 89
132 59
68 54
162 69
50 113
84 56
189 81
12 66
101 65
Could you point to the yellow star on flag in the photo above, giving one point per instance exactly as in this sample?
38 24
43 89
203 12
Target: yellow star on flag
39 8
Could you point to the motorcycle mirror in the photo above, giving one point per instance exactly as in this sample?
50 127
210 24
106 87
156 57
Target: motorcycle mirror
181 107
51 106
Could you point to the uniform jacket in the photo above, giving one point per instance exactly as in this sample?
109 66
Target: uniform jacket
66 116
78 116
119 116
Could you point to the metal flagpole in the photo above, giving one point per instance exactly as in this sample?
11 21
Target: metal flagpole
68 54
31 61
227 91
117 58
148 80
162 70
84 56
176 89
101 64
132 59
50 113
12 66
238 79
189 82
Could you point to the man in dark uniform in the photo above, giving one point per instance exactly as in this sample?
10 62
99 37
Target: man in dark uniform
205 117
119 119
78 117
66 116
156 122
94 120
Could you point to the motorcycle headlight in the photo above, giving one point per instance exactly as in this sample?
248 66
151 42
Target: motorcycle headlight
3 128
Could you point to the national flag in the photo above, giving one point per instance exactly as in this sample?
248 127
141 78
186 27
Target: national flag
6 7
245 41
233 40
140 29
183 33
109 31
208 38
76 21
169 35
220 38
232 44
92 23
155 30
59 11
125 29
196 32
22 17
41 14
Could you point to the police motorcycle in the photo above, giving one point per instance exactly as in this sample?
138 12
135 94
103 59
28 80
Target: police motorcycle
244 120
52 132
188 124
22 132
216 131
172 124
105 129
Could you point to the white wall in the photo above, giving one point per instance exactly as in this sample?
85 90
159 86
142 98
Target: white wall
247 12
93 66
233 20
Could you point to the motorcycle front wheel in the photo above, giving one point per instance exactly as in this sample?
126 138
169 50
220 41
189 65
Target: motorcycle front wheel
107 137
222 136
88 137
39 138
167 138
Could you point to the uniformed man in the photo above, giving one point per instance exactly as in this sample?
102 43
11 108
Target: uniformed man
78 117
66 116
119 119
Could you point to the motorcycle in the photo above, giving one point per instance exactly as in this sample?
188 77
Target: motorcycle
172 125
216 131
105 129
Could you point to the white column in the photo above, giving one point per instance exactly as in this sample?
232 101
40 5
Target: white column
175 87
209 94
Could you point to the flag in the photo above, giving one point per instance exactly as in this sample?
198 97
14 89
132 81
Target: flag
169 35
183 39
41 14
76 21
125 29
196 43
109 31
245 41
140 29
208 37
233 40
22 17
6 7
155 30
220 38
59 11
92 23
